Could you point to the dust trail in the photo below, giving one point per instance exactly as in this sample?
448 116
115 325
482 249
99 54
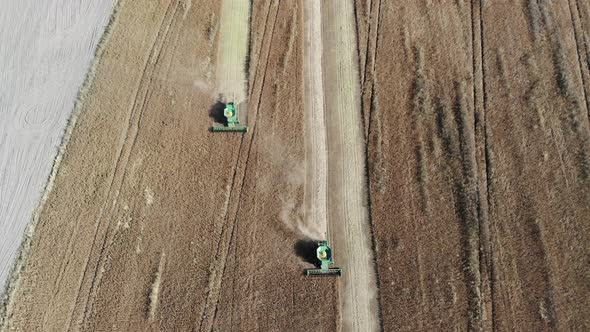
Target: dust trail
293 213
292 216
316 154
232 50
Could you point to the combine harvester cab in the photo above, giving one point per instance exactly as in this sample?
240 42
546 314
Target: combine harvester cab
230 112
324 255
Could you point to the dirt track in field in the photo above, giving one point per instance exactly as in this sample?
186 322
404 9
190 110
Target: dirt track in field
348 225
334 156
232 51
470 117
316 150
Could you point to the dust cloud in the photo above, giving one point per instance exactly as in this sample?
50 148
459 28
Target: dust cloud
292 213
292 216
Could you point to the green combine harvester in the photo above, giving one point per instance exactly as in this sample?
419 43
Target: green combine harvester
324 255
231 117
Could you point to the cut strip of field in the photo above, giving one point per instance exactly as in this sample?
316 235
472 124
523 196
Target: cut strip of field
348 224
316 153
538 147
232 50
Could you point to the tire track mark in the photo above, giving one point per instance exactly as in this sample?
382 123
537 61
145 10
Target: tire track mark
233 301
363 69
359 58
64 262
125 147
368 79
218 266
219 232
486 267
371 115
260 50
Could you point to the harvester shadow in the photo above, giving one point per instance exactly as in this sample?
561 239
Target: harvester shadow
216 112
306 250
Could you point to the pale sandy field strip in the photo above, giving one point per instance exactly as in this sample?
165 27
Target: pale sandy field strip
47 49
316 154
347 199
232 50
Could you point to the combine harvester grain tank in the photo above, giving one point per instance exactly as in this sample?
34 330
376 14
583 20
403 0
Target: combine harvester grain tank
232 120
324 256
